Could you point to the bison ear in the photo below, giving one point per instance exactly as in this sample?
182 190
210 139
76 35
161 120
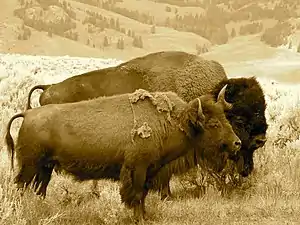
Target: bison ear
192 118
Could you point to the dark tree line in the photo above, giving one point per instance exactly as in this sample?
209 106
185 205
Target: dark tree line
277 35
102 22
64 28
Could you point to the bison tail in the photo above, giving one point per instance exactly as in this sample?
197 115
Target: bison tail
42 87
9 140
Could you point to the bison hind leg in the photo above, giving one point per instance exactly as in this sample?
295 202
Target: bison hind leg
25 176
42 179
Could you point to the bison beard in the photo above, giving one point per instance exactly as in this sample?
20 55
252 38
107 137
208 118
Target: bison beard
92 140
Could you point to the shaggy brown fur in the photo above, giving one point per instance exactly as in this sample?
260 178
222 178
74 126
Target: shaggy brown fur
247 118
186 74
92 140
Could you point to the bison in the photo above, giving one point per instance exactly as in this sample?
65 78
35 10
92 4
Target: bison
185 74
175 71
247 118
127 137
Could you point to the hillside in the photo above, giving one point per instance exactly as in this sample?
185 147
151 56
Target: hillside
125 29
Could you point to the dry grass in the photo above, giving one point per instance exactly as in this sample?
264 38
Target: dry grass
269 196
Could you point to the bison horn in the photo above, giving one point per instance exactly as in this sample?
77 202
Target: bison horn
221 99
200 111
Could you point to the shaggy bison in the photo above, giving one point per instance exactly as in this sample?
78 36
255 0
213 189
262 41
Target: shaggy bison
126 137
247 118
185 74
175 71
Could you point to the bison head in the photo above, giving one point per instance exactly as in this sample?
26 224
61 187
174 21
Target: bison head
247 117
204 121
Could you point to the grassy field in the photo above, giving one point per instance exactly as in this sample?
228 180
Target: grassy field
269 196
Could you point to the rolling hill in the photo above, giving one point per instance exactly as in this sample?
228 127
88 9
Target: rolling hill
125 29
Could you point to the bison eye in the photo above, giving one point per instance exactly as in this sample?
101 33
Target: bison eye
214 124
239 120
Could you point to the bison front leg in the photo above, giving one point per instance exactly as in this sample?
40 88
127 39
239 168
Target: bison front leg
133 190
94 188
165 192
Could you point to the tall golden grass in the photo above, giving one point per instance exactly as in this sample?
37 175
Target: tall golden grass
270 197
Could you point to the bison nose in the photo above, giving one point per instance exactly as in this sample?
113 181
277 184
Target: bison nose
238 145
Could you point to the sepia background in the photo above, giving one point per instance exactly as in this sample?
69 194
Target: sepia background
44 41
234 32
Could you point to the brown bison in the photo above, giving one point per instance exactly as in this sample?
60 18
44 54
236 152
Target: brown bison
126 137
185 74
175 71
247 118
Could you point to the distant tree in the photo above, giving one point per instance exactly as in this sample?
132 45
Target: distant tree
198 49
168 22
26 33
141 42
75 36
120 44
112 23
49 33
204 49
137 42
123 30
90 29
168 9
118 25
290 45
298 48
65 4
132 34
105 41
153 29
233 33
129 33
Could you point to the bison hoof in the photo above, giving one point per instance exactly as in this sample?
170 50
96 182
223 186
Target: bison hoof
166 197
95 194
140 220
